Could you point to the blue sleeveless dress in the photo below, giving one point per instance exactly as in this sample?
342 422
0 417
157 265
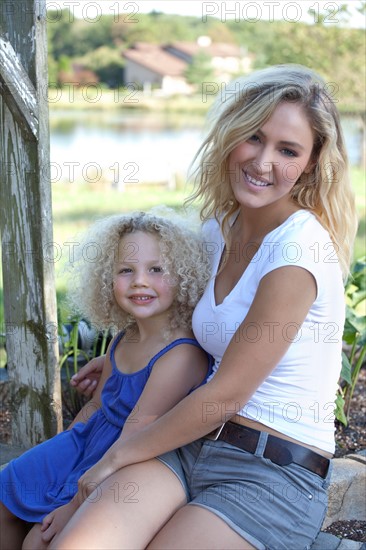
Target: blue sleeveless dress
46 476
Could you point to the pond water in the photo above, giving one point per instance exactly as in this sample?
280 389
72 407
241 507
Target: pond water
121 147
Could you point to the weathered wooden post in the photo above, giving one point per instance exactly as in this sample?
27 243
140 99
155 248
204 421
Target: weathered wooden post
26 224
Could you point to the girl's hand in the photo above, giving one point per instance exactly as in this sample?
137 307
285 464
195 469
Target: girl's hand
55 521
86 379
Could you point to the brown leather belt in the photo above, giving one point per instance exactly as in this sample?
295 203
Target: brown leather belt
280 451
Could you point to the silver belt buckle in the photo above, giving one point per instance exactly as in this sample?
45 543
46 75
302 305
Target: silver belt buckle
214 435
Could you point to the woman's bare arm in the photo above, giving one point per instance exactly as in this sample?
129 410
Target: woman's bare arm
85 381
283 299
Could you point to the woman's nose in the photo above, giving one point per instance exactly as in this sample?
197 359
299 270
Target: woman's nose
264 161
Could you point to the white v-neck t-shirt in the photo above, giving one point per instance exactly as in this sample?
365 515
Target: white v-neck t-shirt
297 398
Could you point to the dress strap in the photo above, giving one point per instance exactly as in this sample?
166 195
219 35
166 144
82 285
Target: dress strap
172 345
113 348
167 348
177 342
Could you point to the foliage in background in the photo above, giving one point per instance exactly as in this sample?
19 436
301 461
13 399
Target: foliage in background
340 60
354 336
199 70
78 343
107 63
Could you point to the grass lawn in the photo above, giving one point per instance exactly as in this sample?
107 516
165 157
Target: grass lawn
105 99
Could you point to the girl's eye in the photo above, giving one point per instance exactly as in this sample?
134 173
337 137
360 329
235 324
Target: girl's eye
124 270
254 138
157 269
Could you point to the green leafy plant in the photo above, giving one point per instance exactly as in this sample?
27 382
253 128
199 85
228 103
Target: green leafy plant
354 337
78 345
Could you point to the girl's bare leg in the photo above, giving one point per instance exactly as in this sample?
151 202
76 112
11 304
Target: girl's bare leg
125 511
34 539
13 530
194 527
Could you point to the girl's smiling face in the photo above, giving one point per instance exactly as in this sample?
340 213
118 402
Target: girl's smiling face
140 284
264 169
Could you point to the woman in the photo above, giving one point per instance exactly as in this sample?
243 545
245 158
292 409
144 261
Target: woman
279 224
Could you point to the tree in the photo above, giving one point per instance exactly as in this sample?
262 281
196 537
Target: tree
60 33
89 36
107 63
326 45
200 69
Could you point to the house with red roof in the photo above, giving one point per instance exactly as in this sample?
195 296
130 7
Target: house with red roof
227 60
164 66
149 65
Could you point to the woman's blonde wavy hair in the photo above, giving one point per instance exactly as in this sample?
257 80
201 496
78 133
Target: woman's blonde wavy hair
248 104
91 283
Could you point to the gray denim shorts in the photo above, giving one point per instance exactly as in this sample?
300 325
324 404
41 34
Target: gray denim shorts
273 507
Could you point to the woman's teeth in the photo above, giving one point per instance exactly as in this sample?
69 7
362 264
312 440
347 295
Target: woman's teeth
257 183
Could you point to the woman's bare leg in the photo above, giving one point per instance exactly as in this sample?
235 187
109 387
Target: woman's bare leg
13 530
125 511
196 528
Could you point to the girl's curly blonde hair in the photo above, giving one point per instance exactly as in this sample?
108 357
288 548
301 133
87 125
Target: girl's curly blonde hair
248 104
91 284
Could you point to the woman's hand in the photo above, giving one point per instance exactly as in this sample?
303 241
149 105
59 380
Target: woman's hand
86 379
93 477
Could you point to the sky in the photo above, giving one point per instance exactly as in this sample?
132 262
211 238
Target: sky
240 10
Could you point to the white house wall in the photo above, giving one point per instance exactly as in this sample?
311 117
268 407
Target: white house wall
175 85
137 74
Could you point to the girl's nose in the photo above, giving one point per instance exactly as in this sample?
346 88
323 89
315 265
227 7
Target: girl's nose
139 279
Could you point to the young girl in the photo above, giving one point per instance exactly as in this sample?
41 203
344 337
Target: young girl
141 275
252 448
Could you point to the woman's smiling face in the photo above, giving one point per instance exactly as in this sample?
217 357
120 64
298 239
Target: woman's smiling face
264 169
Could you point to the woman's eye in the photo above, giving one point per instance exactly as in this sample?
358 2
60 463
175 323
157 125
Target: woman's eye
289 153
254 138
